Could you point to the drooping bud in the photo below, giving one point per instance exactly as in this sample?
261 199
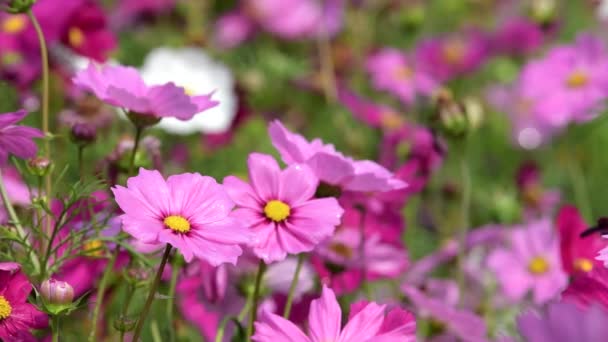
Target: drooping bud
57 292
83 134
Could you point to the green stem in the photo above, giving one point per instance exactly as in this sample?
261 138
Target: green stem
256 295
219 336
45 100
55 326
292 287
465 209
151 294
81 162
107 273
125 307
15 220
138 133
171 296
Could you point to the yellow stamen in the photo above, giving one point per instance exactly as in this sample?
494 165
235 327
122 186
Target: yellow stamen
93 248
342 250
454 51
277 210
76 37
391 120
538 265
577 79
583 264
177 223
14 24
189 91
5 308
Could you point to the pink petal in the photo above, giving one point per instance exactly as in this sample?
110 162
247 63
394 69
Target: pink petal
264 173
331 168
273 328
325 317
297 184
364 325
242 193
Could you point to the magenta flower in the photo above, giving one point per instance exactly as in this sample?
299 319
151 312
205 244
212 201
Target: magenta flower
531 263
564 322
587 289
578 84
16 140
17 316
188 211
517 36
578 253
367 323
375 115
447 57
279 208
331 166
123 87
392 71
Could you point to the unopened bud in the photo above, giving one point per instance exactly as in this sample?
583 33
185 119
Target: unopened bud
39 166
57 292
543 11
83 134
450 115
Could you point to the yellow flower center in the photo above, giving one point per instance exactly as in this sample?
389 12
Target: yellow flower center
93 248
391 120
583 264
277 210
577 79
177 223
14 24
342 250
403 73
454 51
538 265
5 308
76 37
189 91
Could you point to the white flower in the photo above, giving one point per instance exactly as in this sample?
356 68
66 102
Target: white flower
194 70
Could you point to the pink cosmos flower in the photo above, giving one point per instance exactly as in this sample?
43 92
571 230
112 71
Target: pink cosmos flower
517 36
564 322
578 253
188 211
123 87
331 166
447 57
17 316
375 115
278 206
16 140
392 71
578 82
458 324
531 262
367 323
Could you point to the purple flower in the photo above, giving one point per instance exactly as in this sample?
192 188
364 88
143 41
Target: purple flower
331 166
565 322
392 71
123 87
447 57
16 140
532 262
570 83
517 36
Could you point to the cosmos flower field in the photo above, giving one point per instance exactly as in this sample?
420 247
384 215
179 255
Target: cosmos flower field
304 170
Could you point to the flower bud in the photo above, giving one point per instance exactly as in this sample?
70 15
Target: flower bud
57 292
83 134
450 115
39 166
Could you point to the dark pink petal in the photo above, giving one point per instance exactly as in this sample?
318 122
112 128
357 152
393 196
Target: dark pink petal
8 119
264 175
325 317
274 328
17 289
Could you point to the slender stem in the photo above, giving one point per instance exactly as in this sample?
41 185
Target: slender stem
219 336
55 326
292 287
151 294
464 229
138 133
15 220
327 66
107 273
256 295
125 307
45 101
171 296
81 161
